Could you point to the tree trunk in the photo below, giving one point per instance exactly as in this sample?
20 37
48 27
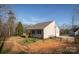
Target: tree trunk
2 44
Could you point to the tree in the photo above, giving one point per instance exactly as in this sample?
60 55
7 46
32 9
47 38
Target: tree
75 20
11 22
8 15
75 16
0 26
6 27
19 29
4 35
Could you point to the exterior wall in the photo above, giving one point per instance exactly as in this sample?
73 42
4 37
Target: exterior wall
36 34
77 32
51 30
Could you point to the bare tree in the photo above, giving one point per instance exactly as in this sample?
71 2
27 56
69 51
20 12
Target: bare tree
11 22
0 25
75 16
75 20
4 35
6 24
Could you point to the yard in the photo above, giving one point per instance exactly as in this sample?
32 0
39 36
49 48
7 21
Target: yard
21 45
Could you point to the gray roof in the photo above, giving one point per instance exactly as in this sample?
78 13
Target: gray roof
39 25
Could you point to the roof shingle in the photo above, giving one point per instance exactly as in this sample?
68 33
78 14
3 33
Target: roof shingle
39 25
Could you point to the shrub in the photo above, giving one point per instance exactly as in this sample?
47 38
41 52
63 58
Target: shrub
29 40
19 29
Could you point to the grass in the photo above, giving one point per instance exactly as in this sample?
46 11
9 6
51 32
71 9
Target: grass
29 40
5 51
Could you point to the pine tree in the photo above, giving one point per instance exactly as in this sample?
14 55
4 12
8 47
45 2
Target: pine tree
19 29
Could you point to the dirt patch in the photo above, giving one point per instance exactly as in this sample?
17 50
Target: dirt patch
12 45
47 46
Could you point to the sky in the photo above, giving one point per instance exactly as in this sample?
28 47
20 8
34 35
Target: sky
35 13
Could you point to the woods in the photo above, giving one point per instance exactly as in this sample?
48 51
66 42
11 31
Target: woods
8 24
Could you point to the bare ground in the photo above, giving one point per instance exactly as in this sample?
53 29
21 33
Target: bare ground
12 45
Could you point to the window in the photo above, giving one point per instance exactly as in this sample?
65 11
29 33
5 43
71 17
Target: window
38 31
33 32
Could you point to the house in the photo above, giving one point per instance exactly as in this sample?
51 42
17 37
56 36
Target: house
74 31
43 30
77 32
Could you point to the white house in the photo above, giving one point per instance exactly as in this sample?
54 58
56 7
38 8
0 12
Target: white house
77 32
74 32
44 30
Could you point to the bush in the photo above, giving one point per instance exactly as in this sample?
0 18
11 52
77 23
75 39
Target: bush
19 29
29 40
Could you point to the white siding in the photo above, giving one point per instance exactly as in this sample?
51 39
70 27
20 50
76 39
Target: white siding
50 30
77 32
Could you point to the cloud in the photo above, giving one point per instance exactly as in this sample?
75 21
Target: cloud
21 19
37 19
32 20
